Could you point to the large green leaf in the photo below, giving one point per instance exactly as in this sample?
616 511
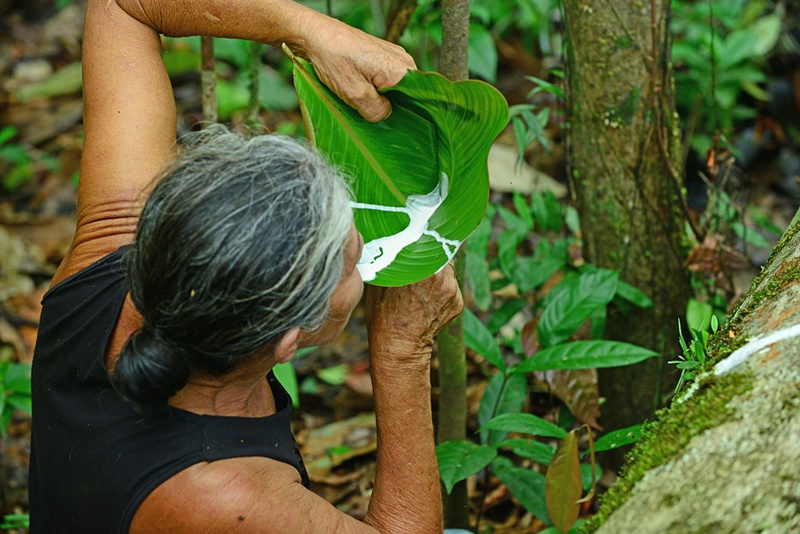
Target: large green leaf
584 355
419 177
525 423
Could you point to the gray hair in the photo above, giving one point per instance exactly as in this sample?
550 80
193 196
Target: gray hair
240 241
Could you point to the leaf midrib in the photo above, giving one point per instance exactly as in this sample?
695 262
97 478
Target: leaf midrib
354 138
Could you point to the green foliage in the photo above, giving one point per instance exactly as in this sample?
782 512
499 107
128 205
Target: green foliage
700 318
15 521
619 438
459 459
532 249
528 120
527 21
718 59
233 65
15 391
19 162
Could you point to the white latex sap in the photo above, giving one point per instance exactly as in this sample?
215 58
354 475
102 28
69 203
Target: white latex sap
380 253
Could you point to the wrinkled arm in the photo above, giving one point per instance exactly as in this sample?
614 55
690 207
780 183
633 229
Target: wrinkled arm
403 323
129 108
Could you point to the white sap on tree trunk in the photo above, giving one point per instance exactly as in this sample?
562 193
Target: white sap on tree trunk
380 253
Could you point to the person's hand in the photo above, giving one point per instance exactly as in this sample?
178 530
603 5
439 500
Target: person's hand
355 65
404 321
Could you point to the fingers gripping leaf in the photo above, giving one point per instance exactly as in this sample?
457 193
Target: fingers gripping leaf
420 177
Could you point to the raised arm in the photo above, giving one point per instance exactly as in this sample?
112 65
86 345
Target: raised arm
130 118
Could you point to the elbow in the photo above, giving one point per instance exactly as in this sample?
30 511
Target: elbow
148 12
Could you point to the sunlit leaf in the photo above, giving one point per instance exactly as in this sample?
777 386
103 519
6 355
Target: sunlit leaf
420 177
563 484
459 459
287 376
585 355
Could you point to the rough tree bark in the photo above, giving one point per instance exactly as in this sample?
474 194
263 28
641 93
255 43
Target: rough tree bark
452 422
623 153
727 458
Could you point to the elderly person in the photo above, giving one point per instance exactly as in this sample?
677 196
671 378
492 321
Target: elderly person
155 408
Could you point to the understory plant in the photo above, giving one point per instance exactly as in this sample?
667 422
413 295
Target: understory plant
537 247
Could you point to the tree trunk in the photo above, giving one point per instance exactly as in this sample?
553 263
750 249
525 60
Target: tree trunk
452 423
623 154
725 457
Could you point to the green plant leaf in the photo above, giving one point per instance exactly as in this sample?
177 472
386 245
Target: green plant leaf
526 423
334 375
563 486
504 313
567 311
529 489
503 394
460 459
6 133
584 355
529 448
287 376
482 56
530 273
477 266
478 277
21 402
523 209
17 377
619 438
633 295
698 314
420 177
274 93
480 339
768 31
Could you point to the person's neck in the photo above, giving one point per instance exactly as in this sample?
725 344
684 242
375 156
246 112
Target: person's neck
244 392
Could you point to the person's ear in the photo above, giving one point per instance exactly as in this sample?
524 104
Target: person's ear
287 346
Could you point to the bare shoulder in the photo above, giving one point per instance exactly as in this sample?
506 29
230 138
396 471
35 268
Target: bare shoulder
251 494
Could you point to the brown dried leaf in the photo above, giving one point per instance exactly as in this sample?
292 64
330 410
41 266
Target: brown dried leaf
578 390
329 446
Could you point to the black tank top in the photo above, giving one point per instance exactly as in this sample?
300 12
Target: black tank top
93 458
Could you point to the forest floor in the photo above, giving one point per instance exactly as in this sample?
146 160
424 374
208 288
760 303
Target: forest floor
40 147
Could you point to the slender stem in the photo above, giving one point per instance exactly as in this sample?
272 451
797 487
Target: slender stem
397 18
254 106
208 81
452 354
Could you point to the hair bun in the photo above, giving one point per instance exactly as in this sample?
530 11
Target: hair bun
150 369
